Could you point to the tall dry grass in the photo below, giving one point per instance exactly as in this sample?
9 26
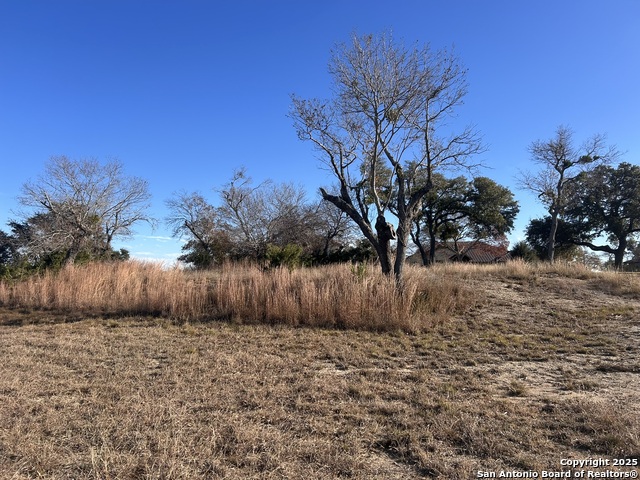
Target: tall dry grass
334 296
340 296
519 269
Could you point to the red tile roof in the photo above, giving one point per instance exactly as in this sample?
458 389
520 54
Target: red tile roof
475 252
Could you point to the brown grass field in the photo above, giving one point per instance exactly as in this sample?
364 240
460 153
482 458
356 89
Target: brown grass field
131 372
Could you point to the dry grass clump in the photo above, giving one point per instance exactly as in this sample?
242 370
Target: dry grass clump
109 288
335 296
622 284
521 270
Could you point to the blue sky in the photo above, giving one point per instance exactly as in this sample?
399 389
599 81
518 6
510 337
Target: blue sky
183 92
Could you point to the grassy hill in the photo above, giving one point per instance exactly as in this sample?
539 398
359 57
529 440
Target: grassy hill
499 368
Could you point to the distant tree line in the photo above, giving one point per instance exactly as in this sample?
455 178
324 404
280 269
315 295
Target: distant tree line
387 140
269 223
80 206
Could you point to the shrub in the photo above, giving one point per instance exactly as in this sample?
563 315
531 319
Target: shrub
290 256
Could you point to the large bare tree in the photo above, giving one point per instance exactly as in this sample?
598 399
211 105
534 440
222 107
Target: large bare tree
89 203
561 162
386 122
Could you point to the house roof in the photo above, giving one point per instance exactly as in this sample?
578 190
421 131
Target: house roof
478 252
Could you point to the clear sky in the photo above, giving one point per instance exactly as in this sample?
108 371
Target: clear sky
185 91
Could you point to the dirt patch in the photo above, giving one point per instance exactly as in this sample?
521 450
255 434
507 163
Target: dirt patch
586 340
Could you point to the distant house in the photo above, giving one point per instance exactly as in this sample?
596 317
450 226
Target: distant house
471 252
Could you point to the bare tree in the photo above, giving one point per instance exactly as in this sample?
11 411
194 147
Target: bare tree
89 203
257 216
335 228
250 219
193 218
385 124
560 164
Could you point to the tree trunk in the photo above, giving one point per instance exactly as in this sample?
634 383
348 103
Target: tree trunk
385 234
432 248
404 227
424 255
71 255
551 242
383 249
415 236
325 249
618 255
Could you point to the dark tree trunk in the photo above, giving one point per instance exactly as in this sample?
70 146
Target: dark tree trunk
424 255
71 255
385 234
432 248
618 255
401 250
384 256
551 242
415 236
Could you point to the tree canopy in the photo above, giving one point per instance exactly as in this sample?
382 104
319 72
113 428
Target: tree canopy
384 125
561 161
458 209
605 202
537 235
82 205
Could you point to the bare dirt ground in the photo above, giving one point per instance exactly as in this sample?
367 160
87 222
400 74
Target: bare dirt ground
542 368
594 352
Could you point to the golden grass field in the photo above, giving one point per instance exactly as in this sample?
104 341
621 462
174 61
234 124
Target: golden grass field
335 296
128 371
